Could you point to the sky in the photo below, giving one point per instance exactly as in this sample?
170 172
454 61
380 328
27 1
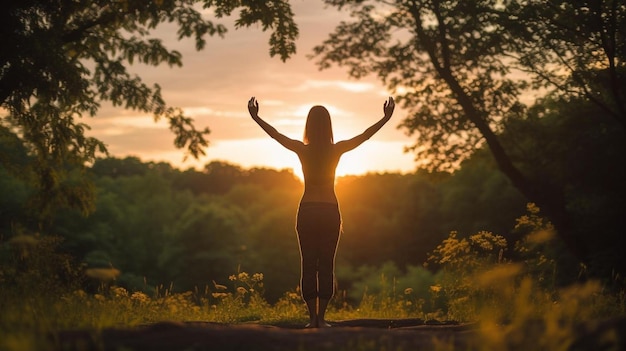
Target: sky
214 85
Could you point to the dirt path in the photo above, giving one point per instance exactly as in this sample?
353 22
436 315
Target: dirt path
361 334
366 334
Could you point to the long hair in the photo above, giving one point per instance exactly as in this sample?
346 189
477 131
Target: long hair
318 129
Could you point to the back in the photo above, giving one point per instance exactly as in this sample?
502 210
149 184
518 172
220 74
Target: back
318 167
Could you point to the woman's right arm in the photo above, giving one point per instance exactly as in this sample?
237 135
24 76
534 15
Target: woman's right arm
291 144
347 145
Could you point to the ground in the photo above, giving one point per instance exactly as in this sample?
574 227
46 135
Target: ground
413 334
362 334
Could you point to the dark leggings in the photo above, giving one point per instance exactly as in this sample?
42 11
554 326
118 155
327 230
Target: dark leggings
318 226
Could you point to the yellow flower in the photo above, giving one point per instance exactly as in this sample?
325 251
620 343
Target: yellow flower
119 292
293 296
139 297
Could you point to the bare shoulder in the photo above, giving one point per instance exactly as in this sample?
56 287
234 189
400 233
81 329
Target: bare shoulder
348 144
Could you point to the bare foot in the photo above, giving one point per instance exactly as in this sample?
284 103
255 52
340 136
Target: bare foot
311 325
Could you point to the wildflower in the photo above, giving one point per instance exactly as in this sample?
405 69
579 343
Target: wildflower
232 278
241 290
408 291
243 276
139 297
293 296
119 292
487 240
435 288
257 277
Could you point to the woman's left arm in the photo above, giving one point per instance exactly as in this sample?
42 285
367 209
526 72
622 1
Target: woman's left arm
347 145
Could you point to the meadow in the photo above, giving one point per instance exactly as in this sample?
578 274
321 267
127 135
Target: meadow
513 305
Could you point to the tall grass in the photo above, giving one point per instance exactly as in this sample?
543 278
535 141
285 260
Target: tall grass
517 305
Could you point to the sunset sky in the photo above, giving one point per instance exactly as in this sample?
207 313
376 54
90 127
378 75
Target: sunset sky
214 85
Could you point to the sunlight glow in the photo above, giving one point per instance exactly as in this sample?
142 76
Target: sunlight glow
301 111
124 124
370 157
354 87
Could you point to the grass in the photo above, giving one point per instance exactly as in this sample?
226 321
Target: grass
516 304
512 311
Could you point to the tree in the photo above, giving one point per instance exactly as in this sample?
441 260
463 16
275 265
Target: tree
61 59
452 65
571 46
578 145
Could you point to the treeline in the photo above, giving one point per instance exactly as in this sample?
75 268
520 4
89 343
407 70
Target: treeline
193 228
161 225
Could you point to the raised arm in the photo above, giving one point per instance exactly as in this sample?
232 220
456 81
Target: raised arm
291 144
347 145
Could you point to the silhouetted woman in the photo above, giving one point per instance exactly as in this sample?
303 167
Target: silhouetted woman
318 221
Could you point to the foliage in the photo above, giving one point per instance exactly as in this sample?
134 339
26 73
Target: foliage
513 308
444 59
460 259
385 292
159 225
456 64
574 47
418 210
464 261
478 281
463 70
62 59
517 303
31 264
560 142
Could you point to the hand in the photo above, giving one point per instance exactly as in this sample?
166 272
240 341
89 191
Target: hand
388 107
253 107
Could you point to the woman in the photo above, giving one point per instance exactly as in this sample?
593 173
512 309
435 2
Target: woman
318 221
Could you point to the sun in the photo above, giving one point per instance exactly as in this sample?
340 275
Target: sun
349 165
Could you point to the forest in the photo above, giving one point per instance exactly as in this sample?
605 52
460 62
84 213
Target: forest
158 225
